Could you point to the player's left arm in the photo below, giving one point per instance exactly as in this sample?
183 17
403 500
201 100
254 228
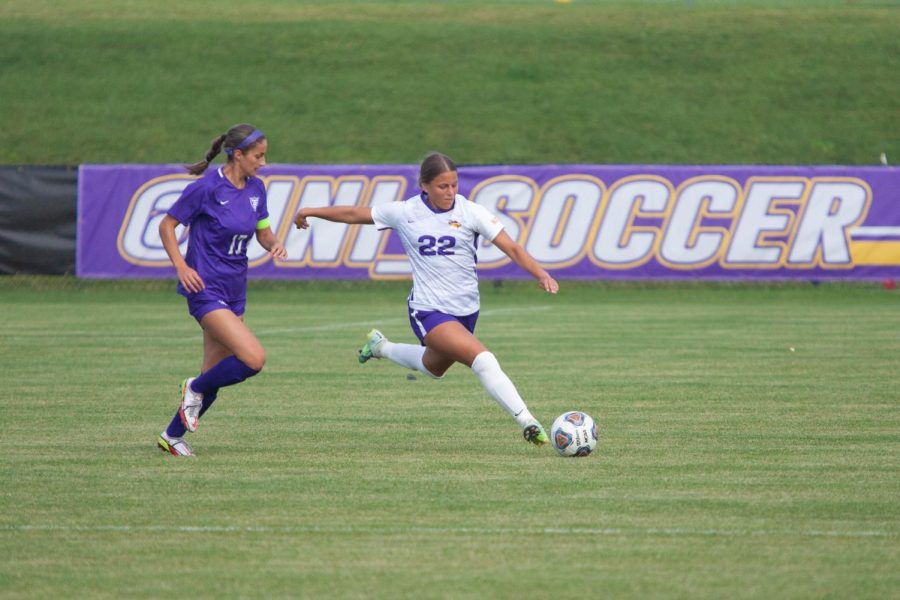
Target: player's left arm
266 238
521 257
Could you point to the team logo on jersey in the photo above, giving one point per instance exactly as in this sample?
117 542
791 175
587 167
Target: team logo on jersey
455 224
254 201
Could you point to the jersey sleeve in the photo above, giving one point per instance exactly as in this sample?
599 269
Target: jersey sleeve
189 204
486 223
387 215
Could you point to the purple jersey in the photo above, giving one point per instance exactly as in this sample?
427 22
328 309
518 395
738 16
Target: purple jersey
222 220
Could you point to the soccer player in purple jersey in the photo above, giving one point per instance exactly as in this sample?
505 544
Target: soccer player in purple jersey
223 208
440 232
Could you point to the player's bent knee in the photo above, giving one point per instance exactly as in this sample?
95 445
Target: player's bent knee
255 360
428 372
485 362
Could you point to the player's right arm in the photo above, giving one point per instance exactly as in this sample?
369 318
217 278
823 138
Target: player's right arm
353 215
188 277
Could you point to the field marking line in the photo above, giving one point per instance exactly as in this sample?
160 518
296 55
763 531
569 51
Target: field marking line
390 321
547 531
21 336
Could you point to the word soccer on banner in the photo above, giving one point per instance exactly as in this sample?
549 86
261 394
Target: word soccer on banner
578 221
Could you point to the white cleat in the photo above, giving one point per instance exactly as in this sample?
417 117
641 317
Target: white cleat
174 446
191 403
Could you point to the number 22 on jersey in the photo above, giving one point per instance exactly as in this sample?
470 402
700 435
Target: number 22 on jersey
431 246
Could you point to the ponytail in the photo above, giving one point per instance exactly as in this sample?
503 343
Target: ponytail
198 167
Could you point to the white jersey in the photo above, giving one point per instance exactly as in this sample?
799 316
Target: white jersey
441 248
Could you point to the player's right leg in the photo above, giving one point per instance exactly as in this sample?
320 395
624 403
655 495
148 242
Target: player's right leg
174 445
405 355
372 348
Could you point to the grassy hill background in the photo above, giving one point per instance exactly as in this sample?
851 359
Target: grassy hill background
678 81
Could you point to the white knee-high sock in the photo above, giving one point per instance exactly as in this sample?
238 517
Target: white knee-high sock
406 355
499 386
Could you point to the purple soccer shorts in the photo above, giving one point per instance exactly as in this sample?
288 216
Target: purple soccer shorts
423 321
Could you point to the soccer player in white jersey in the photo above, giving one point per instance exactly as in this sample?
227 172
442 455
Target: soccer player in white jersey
440 231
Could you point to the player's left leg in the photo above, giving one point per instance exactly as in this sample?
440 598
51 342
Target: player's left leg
451 341
194 404
214 352
244 356
231 354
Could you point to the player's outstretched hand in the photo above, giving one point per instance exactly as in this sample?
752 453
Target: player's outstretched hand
300 221
548 284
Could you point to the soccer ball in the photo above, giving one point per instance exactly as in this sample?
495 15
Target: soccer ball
574 434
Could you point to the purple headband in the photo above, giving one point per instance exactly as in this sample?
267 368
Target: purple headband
246 142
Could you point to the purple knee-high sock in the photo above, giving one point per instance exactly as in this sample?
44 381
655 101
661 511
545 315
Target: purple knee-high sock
228 371
208 399
176 428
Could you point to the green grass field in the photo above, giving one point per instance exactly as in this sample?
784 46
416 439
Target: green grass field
729 465
532 81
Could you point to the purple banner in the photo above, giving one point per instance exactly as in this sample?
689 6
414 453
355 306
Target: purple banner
578 221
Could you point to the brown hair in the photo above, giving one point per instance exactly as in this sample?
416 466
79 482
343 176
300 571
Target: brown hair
433 165
231 139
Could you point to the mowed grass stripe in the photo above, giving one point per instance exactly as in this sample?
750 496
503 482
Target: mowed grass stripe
551 531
